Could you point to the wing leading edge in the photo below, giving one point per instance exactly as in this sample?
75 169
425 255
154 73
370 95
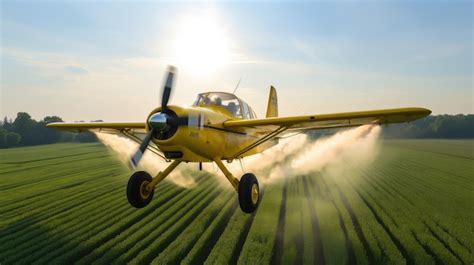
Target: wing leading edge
132 130
88 126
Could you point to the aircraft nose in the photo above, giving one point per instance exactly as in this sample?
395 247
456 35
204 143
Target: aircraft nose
158 121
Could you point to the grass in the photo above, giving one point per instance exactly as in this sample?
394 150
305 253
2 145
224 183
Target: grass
65 203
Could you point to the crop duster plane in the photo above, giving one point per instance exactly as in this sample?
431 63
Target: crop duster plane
220 127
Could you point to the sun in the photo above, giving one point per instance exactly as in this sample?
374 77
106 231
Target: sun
201 44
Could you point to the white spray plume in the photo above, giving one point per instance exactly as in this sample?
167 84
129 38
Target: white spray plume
299 155
262 163
351 146
124 148
293 156
276 154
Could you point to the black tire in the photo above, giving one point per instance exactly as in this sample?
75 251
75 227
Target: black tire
248 184
136 195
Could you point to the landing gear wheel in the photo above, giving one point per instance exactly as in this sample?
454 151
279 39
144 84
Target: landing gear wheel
137 194
249 193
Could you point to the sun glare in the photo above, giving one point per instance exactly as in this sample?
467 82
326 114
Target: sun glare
201 45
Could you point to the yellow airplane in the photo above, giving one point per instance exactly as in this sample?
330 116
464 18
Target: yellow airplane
220 126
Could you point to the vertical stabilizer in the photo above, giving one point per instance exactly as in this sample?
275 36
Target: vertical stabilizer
272 107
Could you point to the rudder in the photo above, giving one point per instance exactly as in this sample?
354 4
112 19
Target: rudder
272 107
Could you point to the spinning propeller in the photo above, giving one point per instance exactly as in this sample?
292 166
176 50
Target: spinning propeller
162 121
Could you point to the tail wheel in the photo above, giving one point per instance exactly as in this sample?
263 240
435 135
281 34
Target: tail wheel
137 194
249 193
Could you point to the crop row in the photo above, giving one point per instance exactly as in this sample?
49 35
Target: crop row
47 173
258 246
292 233
445 199
31 241
102 216
330 229
358 249
206 242
17 160
404 242
162 238
427 232
146 236
378 246
56 209
110 250
30 196
227 248
114 225
184 242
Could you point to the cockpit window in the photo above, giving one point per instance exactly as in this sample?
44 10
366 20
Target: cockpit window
246 110
226 100
248 113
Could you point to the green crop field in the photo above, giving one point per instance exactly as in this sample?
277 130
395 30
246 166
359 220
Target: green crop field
66 203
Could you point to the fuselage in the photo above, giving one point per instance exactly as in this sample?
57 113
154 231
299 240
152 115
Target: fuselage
205 139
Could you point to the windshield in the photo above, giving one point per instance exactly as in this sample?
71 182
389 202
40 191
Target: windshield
226 100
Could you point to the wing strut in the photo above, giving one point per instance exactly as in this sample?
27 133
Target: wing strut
260 141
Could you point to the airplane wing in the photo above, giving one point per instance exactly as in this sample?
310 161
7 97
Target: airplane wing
134 131
328 121
97 126
270 128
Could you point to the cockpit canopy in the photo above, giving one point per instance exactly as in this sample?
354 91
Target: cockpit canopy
235 106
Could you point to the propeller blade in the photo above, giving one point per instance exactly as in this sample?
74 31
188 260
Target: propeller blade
168 87
157 120
135 159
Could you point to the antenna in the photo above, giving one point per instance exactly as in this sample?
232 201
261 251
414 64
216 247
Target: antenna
237 86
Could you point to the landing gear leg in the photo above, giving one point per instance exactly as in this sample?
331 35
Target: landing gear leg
233 180
247 188
141 186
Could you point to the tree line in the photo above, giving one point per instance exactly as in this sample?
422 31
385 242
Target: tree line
25 131
440 126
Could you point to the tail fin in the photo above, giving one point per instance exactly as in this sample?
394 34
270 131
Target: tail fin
272 108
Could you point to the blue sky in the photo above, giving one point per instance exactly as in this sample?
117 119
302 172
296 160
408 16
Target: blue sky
104 60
